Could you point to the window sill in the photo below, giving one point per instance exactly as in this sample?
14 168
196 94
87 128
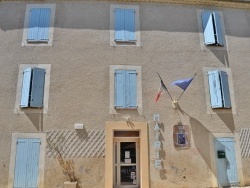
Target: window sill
127 108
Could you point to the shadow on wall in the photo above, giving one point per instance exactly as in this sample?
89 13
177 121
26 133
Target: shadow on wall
82 134
162 153
221 55
201 140
228 120
36 119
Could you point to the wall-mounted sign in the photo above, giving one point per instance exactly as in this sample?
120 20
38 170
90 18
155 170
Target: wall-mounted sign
181 136
157 143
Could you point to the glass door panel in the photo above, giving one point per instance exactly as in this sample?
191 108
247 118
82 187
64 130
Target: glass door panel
126 163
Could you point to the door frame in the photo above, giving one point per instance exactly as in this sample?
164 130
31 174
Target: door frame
142 127
15 136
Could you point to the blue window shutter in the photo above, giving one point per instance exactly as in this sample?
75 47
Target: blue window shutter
215 89
37 90
119 25
120 88
25 94
218 31
33 27
33 163
20 163
131 89
208 28
44 23
129 24
225 90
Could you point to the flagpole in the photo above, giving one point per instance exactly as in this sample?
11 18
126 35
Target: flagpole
165 87
185 89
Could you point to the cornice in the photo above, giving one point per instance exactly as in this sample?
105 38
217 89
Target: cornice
238 4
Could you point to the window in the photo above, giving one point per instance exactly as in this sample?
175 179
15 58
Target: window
219 89
125 88
32 88
212 28
38 25
124 25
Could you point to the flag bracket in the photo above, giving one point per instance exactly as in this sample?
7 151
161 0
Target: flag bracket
175 104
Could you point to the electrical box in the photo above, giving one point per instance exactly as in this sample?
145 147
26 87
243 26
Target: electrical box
221 154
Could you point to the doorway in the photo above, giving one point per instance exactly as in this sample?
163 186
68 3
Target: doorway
126 162
227 173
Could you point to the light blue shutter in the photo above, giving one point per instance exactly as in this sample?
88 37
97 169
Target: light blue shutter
120 88
225 89
208 28
33 163
21 163
25 94
37 90
44 23
215 89
26 163
119 25
218 30
131 89
33 27
129 24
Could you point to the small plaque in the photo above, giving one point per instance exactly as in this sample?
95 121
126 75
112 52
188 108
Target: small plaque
221 154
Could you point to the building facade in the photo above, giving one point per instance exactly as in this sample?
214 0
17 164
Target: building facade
79 81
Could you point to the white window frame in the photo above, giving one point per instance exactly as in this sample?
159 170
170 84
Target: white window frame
44 110
201 35
26 25
112 109
112 25
211 110
15 136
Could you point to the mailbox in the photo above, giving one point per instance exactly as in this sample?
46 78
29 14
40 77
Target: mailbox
221 154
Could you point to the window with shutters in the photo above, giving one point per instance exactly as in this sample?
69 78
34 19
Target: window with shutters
33 88
219 90
211 29
124 25
39 25
125 88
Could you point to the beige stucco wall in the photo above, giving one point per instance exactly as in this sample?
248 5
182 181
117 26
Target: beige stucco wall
80 60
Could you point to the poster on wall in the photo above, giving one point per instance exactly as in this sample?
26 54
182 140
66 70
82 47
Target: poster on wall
181 136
